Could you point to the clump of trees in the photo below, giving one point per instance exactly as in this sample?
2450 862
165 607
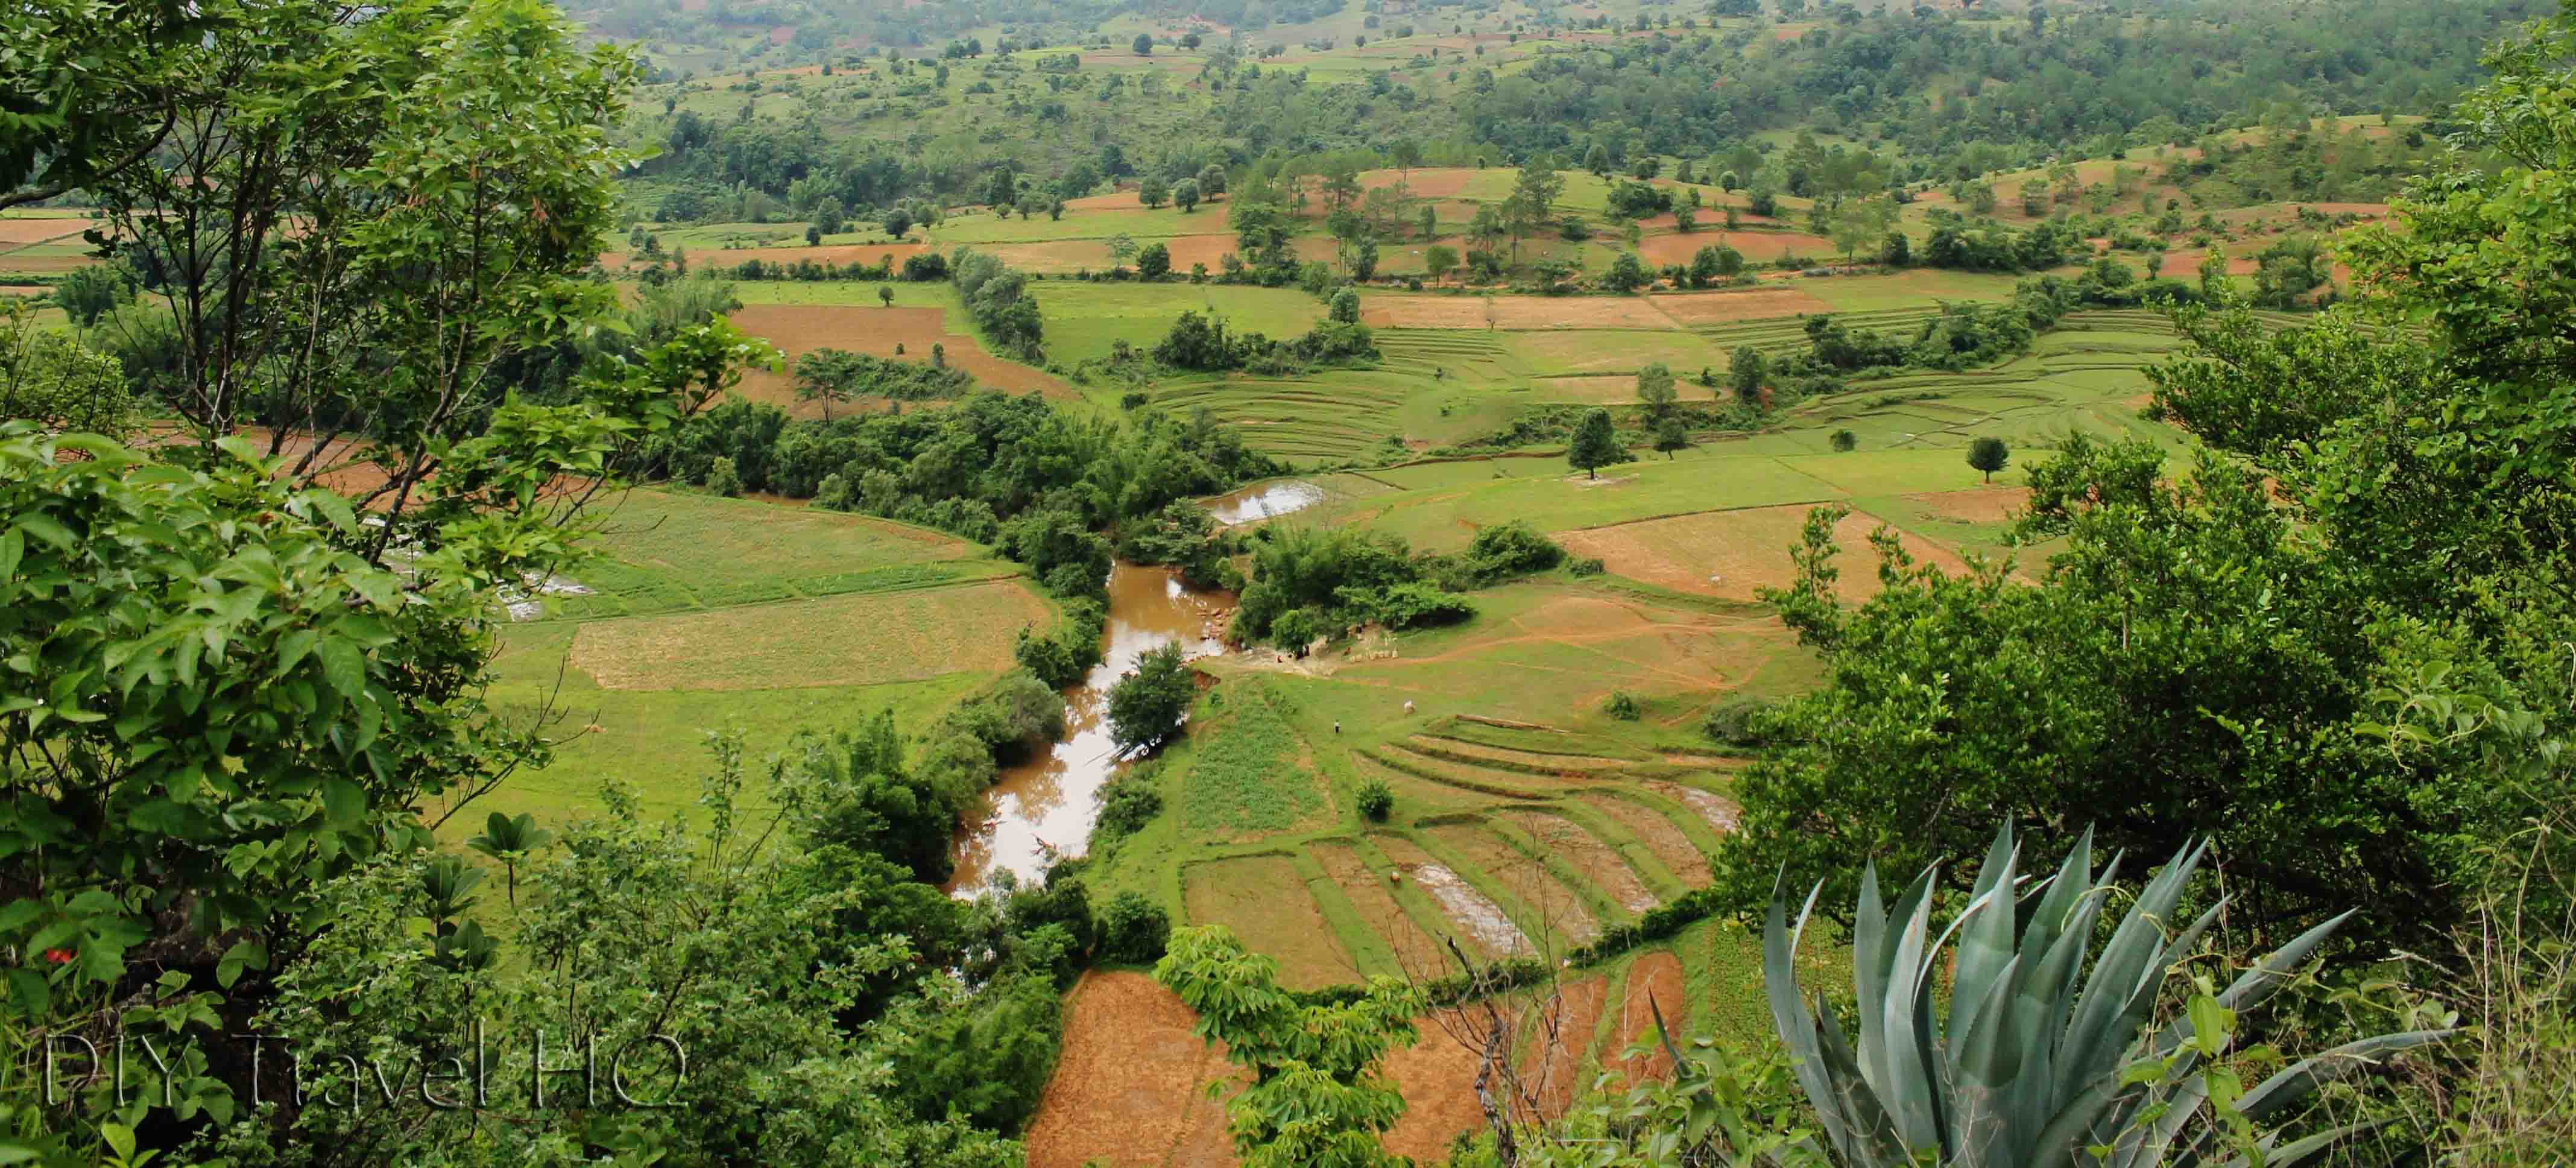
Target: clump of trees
1305 584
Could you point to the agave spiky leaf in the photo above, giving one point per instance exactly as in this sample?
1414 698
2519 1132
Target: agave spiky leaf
2026 1071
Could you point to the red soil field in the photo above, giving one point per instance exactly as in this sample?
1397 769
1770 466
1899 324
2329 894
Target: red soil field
1425 183
40 230
843 254
798 329
1655 977
1757 246
1557 1068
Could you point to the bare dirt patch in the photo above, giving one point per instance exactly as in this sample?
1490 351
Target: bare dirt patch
40 230
1563 1037
1128 1088
1447 182
798 329
1731 554
843 254
1656 978
1982 505
837 640
1695 308
1660 835
1265 901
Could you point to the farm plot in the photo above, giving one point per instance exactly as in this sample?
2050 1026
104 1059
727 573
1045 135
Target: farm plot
1428 310
1265 901
1127 1087
838 640
1560 1042
1559 353
1512 759
1695 309
1660 835
1371 895
1480 925
1734 554
1654 986
1597 862
843 255
1721 812
1550 908
1086 322
798 329
662 551
1253 776
1544 494
1542 649
1327 415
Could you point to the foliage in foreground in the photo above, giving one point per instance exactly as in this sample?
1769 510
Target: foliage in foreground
2038 1061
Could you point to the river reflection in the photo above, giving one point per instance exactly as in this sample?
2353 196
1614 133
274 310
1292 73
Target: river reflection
1048 803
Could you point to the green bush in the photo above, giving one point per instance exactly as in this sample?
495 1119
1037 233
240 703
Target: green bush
1133 929
1622 706
722 479
1738 721
1587 566
1376 799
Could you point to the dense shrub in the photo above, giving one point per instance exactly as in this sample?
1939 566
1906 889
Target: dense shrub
1133 929
1622 706
1375 800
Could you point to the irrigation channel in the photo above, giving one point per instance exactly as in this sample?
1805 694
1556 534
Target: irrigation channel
1044 808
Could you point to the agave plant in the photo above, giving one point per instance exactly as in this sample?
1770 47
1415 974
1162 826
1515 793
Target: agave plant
2039 1062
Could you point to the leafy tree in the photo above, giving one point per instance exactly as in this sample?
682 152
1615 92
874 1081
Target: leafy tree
1597 160
1134 929
897 221
1148 705
1185 195
1142 46
1345 306
1533 197
88 293
1154 262
1316 1096
1685 220
1656 388
1988 455
1746 372
1671 436
832 376
1594 445
1122 247
1375 799
1212 180
1438 261
1627 274
54 382
1844 441
885 295
1153 191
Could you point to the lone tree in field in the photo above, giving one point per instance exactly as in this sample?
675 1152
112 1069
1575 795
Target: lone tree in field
885 295
1185 195
1143 45
1152 191
1745 374
1147 706
1671 436
1989 455
1844 441
1655 387
1211 180
828 376
1154 263
1626 274
1122 247
1594 445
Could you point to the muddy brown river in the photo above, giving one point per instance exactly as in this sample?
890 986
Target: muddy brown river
1046 806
